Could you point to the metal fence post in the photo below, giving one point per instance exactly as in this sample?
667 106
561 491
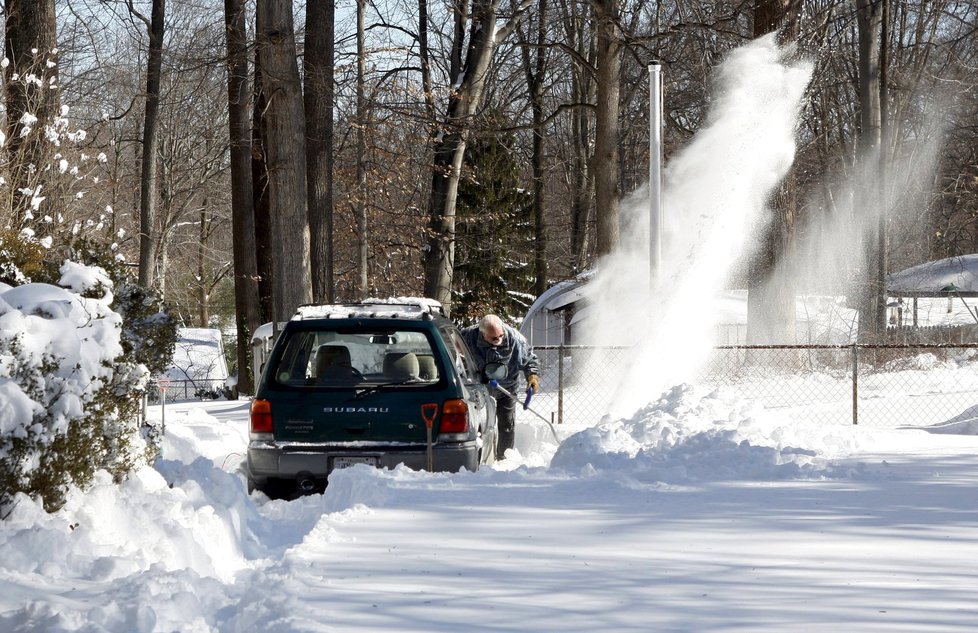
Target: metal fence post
560 384
855 384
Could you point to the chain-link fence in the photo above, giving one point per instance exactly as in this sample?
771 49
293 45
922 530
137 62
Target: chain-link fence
200 389
874 385
577 380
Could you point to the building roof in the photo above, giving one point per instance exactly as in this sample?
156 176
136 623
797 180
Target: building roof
953 276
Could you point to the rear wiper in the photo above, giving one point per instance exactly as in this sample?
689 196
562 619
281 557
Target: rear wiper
369 390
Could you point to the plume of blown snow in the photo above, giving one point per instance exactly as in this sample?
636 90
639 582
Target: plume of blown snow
714 201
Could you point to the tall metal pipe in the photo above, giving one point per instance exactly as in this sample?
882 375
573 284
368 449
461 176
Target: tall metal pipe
655 172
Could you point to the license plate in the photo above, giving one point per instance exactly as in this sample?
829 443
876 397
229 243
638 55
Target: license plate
346 462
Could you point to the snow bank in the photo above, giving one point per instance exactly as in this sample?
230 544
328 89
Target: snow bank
114 531
692 435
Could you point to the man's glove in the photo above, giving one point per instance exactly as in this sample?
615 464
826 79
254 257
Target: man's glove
533 382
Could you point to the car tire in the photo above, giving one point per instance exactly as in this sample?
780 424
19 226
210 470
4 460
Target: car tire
487 455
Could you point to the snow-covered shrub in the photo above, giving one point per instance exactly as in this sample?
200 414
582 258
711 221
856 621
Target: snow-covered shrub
68 399
149 330
77 336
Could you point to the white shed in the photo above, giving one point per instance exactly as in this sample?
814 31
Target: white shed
261 347
552 317
940 292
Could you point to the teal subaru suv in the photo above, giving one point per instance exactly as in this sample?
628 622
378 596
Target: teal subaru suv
380 383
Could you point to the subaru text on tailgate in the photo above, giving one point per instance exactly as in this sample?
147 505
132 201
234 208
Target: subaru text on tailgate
379 383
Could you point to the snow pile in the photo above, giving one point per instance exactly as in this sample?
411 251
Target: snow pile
627 511
113 531
691 435
965 423
181 515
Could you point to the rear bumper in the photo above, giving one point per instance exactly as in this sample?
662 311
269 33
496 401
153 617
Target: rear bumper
269 460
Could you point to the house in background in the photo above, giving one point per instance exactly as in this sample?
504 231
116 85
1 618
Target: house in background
559 314
199 366
936 295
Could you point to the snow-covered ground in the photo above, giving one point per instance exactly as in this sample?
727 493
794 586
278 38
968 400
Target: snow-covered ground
702 511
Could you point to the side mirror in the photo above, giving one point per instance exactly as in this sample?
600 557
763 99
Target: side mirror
495 371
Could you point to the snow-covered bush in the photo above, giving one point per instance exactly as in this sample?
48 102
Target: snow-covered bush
68 401
20 259
149 330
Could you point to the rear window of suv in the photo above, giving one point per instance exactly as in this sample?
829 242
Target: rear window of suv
314 358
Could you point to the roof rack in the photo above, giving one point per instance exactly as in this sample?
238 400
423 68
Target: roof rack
393 308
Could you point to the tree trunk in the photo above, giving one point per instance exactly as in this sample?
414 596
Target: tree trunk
770 294
536 75
263 217
147 184
579 174
440 256
361 140
30 42
318 78
872 304
285 157
605 167
242 202
882 242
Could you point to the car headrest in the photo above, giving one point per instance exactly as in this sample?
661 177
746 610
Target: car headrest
427 370
401 366
332 356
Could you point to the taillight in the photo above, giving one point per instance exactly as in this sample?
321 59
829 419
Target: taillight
261 416
454 417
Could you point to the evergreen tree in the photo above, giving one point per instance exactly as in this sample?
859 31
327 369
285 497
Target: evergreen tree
494 233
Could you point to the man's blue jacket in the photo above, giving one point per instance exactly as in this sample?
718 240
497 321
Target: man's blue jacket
514 352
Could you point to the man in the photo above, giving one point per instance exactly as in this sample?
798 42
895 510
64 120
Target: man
492 341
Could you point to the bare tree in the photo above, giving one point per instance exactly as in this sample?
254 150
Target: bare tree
285 156
194 208
263 218
771 296
242 202
581 51
872 300
147 187
468 82
535 58
360 201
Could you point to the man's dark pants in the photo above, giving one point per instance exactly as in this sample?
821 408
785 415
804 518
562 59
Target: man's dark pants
505 424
